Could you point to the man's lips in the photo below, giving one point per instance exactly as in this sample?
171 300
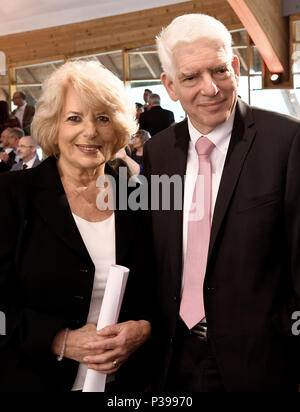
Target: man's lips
211 105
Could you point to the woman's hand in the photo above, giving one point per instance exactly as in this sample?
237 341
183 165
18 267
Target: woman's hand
115 344
76 343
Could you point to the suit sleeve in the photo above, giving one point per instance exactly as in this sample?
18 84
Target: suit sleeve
29 333
292 217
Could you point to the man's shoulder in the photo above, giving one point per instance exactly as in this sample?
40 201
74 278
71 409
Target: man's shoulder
269 118
29 109
167 136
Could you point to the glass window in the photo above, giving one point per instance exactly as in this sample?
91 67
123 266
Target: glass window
256 61
36 74
255 83
112 61
239 37
275 100
136 93
4 93
33 93
243 90
242 53
3 79
144 65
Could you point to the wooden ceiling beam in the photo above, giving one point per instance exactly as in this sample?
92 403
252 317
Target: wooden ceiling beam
125 31
268 29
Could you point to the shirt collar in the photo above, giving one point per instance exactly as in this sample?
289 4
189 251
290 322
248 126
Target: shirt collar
30 163
220 136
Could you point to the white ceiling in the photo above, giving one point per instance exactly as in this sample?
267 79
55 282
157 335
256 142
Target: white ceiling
25 15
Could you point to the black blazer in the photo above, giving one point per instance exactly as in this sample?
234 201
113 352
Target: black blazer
156 120
46 280
252 282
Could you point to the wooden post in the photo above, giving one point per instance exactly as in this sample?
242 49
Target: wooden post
12 83
126 68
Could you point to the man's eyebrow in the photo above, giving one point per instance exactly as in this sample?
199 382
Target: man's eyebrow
186 75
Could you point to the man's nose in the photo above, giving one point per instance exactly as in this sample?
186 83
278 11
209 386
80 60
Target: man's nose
208 86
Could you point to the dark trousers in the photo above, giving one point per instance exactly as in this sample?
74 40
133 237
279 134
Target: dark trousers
193 366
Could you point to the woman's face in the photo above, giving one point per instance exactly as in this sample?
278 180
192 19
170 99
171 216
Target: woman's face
137 143
86 137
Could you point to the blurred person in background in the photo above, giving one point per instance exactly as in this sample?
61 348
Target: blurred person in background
24 112
10 139
27 154
138 141
156 118
147 93
7 119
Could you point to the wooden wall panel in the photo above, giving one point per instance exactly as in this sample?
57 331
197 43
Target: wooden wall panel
107 34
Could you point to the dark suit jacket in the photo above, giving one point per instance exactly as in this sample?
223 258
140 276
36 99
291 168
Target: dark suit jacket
252 282
156 120
46 280
27 118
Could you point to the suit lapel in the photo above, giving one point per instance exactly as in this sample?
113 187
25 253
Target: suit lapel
177 166
243 135
51 202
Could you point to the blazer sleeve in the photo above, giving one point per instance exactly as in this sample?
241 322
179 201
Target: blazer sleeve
29 333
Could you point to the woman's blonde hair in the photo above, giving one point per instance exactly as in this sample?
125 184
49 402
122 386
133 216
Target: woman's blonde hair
96 87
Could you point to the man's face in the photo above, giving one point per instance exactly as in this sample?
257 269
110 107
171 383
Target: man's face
5 139
146 96
13 141
17 99
26 150
205 83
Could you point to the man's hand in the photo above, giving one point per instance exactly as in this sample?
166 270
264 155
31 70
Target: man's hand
4 157
115 344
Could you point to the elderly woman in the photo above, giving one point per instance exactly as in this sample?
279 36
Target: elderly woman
56 246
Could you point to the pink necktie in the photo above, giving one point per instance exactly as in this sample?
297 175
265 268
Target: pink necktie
192 303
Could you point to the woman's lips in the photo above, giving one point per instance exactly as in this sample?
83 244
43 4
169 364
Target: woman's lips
88 149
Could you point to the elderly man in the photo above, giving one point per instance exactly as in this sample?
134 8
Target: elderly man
229 262
27 154
10 140
24 112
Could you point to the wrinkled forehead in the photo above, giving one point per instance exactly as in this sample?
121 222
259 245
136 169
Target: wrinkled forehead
202 49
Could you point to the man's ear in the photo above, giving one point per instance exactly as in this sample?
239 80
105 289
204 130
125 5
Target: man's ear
169 85
236 67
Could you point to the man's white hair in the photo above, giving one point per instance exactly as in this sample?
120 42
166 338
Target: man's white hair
187 29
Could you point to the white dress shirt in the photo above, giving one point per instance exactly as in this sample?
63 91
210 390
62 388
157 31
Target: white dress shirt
99 239
30 163
220 136
20 113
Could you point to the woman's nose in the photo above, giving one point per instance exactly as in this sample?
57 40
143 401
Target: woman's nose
90 129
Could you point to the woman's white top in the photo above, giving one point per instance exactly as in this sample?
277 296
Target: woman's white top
99 239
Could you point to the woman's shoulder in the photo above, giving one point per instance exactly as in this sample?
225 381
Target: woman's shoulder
21 179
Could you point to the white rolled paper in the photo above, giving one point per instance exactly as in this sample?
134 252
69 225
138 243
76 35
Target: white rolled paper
109 315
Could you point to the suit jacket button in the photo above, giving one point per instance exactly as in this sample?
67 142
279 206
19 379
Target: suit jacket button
84 270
